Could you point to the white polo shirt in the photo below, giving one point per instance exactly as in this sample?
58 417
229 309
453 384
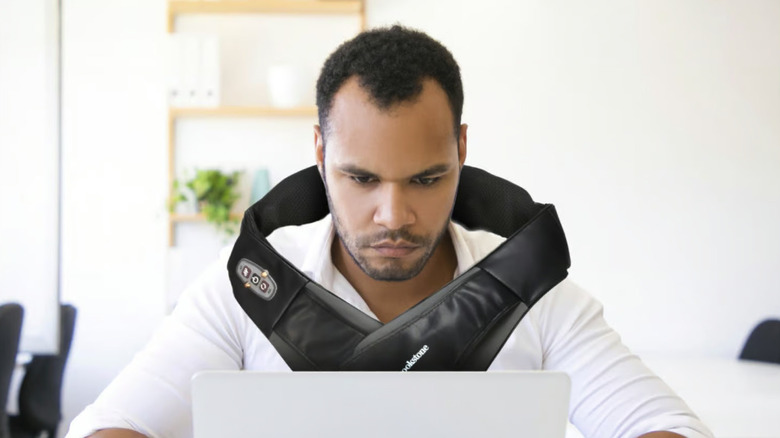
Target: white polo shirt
613 393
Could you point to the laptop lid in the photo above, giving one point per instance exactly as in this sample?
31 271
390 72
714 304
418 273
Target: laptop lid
243 404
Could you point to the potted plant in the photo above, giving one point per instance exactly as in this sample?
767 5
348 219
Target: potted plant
215 193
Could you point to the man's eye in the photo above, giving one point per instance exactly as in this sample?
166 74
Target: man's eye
362 179
426 181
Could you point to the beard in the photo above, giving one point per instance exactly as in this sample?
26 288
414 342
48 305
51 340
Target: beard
392 269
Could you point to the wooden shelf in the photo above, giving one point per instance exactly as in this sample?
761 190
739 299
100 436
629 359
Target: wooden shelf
244 111
176 218
262 6
183 7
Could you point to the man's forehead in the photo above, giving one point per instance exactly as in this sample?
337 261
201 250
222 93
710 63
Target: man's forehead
405 141
382 157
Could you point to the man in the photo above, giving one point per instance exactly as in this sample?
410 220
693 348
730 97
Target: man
390 147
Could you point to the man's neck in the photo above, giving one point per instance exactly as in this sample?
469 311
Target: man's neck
388 299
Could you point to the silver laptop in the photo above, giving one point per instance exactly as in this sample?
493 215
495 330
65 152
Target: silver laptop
244 404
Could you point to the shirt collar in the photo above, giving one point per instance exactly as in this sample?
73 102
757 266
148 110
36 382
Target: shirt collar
318 264
466 258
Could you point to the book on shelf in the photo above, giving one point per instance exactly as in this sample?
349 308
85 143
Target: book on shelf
194 70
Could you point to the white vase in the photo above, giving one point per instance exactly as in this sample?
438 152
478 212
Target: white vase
285 86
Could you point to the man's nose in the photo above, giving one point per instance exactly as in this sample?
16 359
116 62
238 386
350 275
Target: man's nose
393 210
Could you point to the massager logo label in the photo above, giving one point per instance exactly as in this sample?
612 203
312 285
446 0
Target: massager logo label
257 279
410 363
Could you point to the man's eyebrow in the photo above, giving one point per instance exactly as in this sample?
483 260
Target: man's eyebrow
356 170
433 170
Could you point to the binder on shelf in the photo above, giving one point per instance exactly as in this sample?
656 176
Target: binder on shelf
194 70
175 71
190 55
209 71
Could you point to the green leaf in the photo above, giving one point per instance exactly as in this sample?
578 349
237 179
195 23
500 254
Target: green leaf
216 192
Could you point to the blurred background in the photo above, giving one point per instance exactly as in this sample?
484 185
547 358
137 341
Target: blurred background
653 126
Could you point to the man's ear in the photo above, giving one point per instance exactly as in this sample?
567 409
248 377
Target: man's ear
319 149
462 139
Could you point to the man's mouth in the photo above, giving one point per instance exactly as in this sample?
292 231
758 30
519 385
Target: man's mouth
394 249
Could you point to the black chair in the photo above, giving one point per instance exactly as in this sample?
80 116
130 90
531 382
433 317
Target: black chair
763 344
11 316
41 388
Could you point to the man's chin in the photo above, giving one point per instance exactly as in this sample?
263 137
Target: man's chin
394 277
401 272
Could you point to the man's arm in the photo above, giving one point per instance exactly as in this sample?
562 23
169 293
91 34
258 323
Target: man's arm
613 393
117 433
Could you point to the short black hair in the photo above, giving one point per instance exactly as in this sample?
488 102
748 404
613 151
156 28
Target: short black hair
390 64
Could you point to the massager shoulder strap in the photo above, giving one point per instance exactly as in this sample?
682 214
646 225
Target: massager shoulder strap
460 327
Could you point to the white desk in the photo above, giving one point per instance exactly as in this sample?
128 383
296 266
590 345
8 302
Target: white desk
736 399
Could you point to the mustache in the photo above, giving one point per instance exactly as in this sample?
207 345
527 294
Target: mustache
393 236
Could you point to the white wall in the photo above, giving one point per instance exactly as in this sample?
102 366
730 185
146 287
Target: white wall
114 119
654 126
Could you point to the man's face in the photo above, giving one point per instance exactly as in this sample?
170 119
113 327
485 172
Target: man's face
391 178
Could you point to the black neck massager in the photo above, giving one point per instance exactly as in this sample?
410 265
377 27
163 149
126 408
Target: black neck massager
461 327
